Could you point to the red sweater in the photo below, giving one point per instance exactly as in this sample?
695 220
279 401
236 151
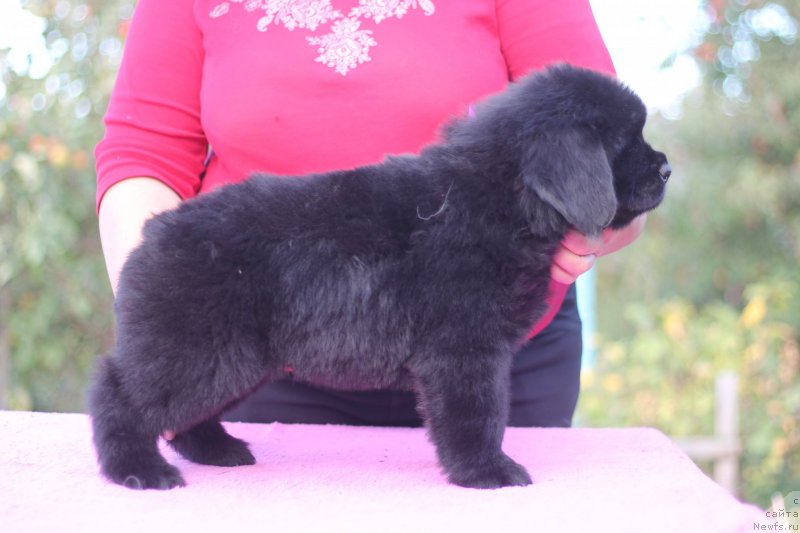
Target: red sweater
210 91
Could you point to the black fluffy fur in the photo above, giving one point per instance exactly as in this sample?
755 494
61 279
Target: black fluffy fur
425 272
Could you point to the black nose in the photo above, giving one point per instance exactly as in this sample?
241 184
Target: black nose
665 171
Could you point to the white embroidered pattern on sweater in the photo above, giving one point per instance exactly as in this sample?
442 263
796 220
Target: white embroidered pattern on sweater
346 45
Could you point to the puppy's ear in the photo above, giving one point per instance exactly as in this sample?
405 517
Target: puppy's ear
569 170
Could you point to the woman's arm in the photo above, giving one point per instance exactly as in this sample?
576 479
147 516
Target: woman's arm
153 127
126 206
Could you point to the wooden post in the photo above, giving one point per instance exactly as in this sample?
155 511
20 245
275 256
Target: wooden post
726 429
5 347
723 448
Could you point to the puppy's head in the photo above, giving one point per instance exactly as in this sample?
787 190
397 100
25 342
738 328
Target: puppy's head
575 138
584 153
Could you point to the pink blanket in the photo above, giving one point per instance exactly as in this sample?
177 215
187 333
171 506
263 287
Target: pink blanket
349 479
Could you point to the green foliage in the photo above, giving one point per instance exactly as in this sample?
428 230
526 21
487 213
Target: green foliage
714 282
662 375
52 280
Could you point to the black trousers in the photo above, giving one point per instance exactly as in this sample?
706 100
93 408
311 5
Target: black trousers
545 382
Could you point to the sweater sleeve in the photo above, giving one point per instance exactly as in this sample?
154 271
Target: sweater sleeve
536 33
153 119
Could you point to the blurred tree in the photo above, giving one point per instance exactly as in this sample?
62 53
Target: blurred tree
55 299
727 240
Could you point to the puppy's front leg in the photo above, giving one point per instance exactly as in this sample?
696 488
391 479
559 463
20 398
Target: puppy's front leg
465 401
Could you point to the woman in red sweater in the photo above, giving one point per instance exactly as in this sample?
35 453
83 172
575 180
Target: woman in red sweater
210 91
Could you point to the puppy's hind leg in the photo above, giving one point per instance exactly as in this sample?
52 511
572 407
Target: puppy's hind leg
208 443
126 448
465 403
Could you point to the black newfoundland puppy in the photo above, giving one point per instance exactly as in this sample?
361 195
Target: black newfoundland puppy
425 272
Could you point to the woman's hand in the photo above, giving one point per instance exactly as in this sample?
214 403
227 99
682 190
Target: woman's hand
578 253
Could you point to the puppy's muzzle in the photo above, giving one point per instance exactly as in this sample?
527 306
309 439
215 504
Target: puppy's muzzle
665 171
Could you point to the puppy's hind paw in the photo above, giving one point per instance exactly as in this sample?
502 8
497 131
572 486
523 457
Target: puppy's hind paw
494 474
162 477
230 453
211 445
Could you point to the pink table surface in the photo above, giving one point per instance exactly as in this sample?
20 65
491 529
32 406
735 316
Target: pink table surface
353 479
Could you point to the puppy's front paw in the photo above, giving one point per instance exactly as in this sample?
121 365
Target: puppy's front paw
498 472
